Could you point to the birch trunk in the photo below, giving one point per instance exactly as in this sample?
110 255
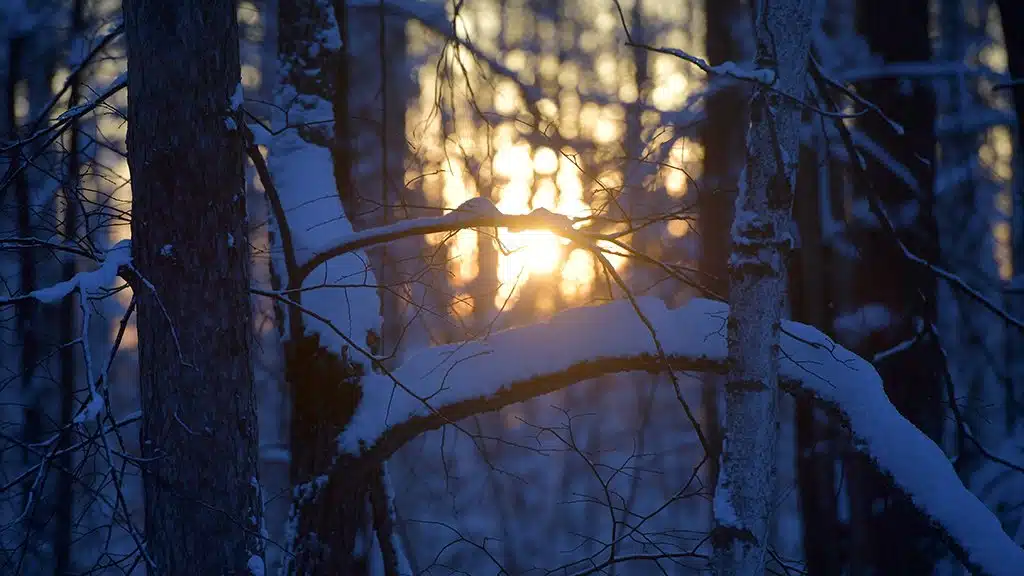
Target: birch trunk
723 138
761 236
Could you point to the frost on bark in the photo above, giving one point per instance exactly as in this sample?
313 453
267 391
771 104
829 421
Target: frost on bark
190 246
761 237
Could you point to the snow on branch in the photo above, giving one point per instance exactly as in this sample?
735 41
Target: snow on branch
473 213
443 384
743 72
115 260
88 281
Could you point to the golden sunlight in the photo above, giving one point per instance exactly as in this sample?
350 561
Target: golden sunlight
996 154
514 157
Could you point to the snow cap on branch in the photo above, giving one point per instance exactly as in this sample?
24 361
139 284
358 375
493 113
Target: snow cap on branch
693 337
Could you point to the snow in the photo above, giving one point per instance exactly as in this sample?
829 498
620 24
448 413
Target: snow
236 97
93 409
473 212
866 320
917 465
456 372
87 282
303 174
256 566
402 564
260 135
725 514
119 255
761 75
693 336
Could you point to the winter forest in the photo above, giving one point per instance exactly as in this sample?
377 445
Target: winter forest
511 287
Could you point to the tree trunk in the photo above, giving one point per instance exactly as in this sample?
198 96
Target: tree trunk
894 537
330 528
190 245
376 151
817 434
723 140
815 288
27 311
1011 13
65 494
745 493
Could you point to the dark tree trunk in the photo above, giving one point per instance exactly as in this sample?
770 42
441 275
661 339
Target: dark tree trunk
724 141
65 494
376 149
896 538
816 432
27 310
190 243
1011 13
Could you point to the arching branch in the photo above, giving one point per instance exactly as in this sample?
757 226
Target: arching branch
448 383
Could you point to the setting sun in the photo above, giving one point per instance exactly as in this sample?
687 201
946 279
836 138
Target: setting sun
535 251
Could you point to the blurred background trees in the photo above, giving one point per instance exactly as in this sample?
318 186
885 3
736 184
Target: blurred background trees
424 105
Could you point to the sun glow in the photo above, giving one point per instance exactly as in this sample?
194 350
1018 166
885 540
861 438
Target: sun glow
512 136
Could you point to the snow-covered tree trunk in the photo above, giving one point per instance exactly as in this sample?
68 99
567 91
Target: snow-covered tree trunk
190 247
723 140
330 526
745 493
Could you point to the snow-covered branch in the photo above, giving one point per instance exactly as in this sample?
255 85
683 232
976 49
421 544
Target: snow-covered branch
474 213
746 73
447 383
89 281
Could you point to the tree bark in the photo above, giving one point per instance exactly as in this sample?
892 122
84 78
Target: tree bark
745 493
723 139
65 494
190 245
817 434
1011 14
27 312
